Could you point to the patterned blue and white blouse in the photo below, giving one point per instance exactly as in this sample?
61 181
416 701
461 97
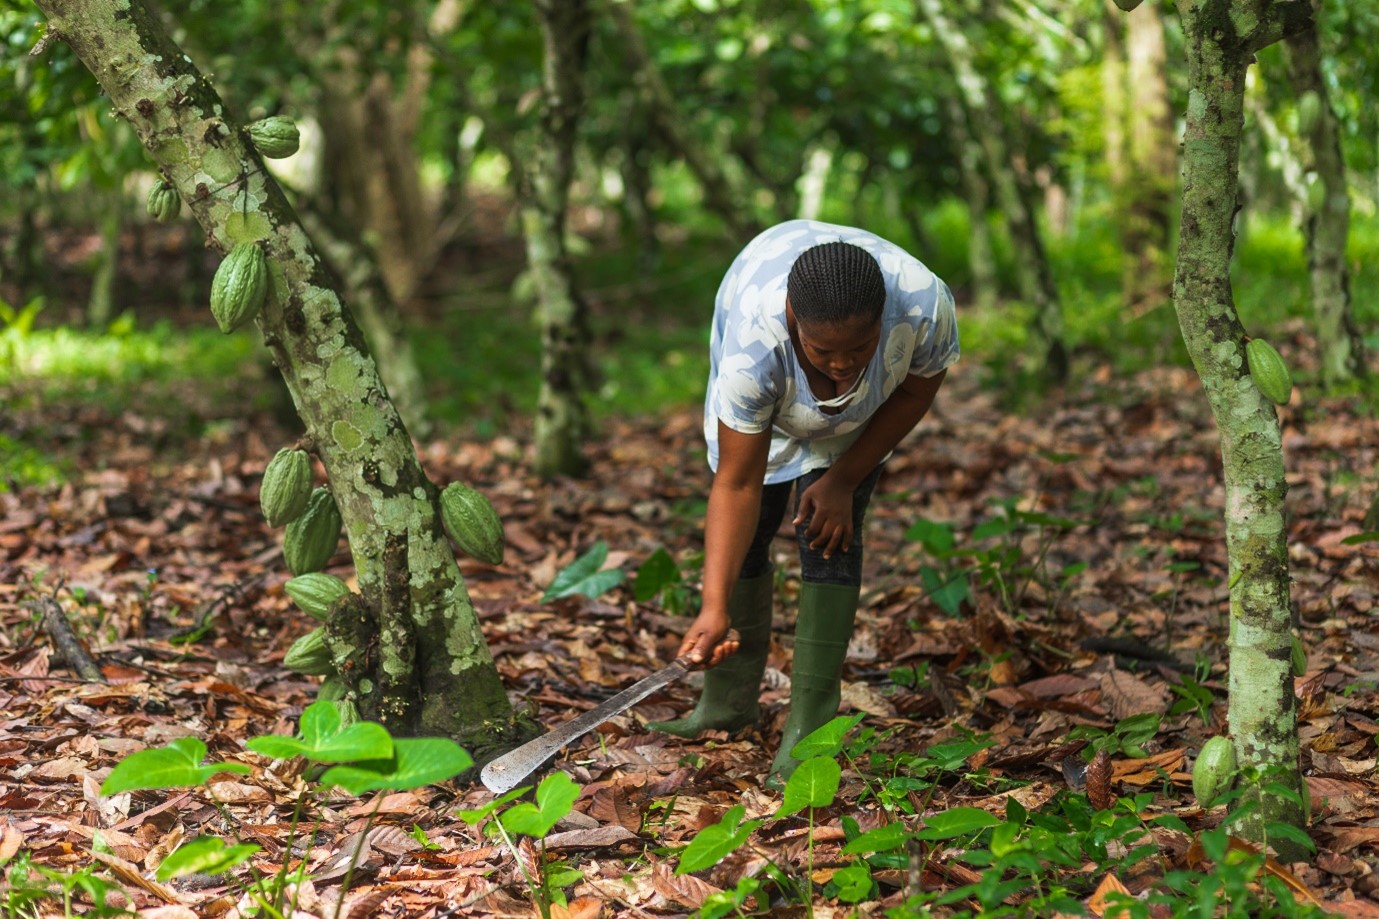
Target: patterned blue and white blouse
755 378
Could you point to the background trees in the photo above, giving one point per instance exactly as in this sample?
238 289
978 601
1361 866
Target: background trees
495 233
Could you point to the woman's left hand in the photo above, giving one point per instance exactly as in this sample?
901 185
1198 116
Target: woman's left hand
827 505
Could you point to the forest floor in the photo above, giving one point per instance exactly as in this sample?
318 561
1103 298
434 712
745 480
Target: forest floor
1104 512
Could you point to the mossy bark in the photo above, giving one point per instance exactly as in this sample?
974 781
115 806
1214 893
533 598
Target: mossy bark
561 414
384 496
1222 38
1326 224
984 117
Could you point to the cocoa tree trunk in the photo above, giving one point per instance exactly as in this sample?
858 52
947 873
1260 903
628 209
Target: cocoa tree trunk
1221 40
561 415
1326 216
1031 263
437 674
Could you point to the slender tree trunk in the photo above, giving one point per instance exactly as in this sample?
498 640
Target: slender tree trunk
720 194
561 416
430 658
981 257
1153 162
1326 221
1221 40
1032 266
100 305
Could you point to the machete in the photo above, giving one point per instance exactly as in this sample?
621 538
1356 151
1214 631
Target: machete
507 771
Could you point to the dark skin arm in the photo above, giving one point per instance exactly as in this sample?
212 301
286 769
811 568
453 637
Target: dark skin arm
734 505
827 504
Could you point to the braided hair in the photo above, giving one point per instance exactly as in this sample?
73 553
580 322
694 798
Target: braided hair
835 283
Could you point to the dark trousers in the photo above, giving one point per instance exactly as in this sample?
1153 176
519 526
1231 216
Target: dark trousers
843 567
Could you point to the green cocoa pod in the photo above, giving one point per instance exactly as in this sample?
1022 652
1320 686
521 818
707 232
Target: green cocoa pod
275 136
315 591
333 689
470 520
163 202
309 655
1299 657
239 287
1309 111
1269 371
310 540
1316 192
1214 772
286 486
349 712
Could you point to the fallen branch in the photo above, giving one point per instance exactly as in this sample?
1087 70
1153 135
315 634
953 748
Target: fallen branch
65 641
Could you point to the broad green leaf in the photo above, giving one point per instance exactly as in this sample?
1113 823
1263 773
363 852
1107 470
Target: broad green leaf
658 571
956 822
853 882
175 766
480 814
715 842
416 761
582 576
814 783
827 739
935 537
204 855
554 797
882 839
324 741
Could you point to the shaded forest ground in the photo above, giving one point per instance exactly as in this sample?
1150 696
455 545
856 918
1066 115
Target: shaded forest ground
1112 497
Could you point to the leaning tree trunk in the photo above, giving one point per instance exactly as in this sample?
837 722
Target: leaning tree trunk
981 257
1221 40
374 309
1031 263
1326 220
432 672
720 194
562 418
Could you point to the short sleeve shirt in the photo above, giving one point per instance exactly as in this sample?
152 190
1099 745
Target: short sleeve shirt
756 381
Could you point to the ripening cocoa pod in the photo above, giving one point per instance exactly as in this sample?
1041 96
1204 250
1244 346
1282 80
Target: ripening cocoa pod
315 591
309 655
1316 192
1309 111
310 540
470 520
1268 371
163 202
333 689
239 287
275 136
1299 657
1214 772
286 486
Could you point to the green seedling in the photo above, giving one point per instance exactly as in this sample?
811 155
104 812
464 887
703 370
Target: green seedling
555 798
585 576
361 757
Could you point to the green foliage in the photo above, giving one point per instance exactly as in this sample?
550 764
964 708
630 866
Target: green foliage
363 757
555 798
585 576
660 577
1006 554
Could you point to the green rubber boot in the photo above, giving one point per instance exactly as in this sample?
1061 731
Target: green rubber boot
822 630
732 690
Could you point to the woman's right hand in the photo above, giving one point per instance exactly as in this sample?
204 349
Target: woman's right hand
709 641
